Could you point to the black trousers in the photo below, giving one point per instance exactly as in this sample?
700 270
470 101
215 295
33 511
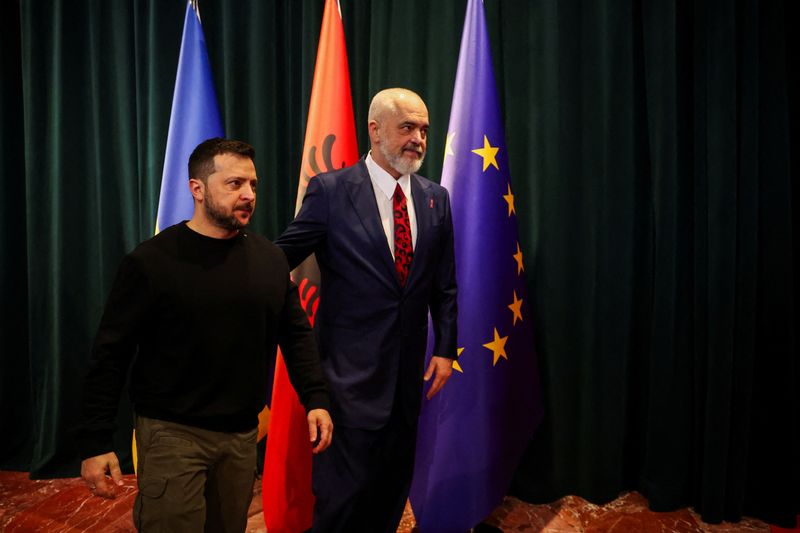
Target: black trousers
362 481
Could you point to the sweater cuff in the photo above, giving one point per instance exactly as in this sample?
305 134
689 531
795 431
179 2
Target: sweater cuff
318 400
91 443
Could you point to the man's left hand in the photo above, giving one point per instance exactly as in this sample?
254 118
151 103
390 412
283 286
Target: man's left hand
441 367
320 426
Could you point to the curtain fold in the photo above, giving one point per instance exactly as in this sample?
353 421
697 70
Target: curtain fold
15 379
654 151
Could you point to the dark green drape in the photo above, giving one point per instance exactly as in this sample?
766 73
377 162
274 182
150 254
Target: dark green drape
653 151
16 414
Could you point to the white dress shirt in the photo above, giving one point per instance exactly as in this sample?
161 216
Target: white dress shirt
383 184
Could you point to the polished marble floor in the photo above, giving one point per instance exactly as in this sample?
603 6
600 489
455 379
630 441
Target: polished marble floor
64 505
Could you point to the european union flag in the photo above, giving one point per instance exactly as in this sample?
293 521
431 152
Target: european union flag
195 117
473 433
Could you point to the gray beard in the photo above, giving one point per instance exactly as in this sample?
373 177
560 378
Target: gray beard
400 164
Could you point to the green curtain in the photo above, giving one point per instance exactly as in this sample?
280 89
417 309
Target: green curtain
653 151
658 138
16 413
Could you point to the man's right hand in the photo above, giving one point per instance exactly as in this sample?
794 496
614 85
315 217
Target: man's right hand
93 472
320 429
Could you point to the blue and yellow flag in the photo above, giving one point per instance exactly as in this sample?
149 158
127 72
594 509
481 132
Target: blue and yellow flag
195 117
473 433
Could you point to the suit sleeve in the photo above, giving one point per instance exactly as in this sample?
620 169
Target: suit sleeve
308 230
114 347
296 339
443 305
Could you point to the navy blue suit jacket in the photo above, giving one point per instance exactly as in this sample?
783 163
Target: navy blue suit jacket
372 332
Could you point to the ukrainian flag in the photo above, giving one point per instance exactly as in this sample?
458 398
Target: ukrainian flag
195 117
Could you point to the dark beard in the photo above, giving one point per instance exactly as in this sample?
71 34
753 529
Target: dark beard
222 220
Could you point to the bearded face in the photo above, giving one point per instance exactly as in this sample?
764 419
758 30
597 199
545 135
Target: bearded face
406 159
399 134
233 218
229 193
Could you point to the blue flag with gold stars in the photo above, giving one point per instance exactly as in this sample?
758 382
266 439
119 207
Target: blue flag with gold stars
472 434
195 117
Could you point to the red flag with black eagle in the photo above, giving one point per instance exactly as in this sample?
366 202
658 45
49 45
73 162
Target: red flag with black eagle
330 144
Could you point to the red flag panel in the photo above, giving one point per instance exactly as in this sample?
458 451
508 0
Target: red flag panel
330 143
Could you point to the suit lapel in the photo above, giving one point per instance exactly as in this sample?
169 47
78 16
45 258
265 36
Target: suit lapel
421 193
362 196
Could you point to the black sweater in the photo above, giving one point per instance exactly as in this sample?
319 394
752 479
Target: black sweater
200 318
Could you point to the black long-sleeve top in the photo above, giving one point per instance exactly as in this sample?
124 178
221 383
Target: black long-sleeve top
198 318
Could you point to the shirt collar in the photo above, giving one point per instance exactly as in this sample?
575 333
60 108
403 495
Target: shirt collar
385 181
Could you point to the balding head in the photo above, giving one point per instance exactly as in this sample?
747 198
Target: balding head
388 100
398 130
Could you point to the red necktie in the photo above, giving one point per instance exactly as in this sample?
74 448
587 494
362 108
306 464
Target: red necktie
403 251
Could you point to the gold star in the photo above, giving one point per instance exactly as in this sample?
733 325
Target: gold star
498 347
448 145
509 198
516 308
456 366
488 153
518 258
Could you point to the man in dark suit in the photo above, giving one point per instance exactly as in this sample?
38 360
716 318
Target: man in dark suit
383 238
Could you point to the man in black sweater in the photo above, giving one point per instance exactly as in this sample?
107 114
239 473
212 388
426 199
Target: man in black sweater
197 311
